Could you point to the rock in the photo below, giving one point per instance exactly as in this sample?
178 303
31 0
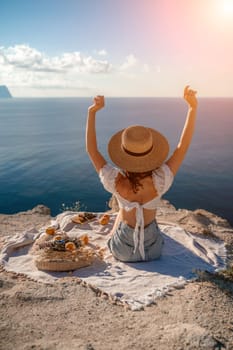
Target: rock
55 316
211 218
25 220
4 92
191 336
41 209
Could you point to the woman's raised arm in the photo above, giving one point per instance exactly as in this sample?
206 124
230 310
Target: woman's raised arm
91 141
177 157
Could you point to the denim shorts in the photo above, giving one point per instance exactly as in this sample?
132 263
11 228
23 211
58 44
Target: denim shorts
121 243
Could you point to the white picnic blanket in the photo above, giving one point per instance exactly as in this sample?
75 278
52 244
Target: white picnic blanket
136 284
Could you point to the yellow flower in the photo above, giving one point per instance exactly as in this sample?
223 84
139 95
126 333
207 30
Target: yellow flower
85 239
70 246
50 230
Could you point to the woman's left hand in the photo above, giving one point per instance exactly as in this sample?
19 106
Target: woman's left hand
190 97
98 104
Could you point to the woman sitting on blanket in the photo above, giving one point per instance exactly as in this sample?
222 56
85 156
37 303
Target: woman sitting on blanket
143 176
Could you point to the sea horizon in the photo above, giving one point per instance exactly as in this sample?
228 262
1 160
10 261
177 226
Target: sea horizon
110 96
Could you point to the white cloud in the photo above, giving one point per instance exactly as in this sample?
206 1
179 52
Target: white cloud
130 62
29 72
95 66
25 57
102 52
145 68
21 56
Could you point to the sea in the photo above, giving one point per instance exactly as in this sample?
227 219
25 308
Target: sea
43 158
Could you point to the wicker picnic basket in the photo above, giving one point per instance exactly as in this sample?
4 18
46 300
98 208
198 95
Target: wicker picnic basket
59 252
50 260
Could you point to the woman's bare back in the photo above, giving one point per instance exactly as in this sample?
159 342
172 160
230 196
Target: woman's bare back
145 193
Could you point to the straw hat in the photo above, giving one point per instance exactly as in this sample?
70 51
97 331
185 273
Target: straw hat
138 149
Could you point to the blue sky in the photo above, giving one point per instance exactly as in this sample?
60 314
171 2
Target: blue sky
116 47
55 25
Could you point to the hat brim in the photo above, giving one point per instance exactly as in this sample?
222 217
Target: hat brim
150 161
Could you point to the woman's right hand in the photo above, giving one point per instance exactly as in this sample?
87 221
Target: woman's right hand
91 139
98 103
190 97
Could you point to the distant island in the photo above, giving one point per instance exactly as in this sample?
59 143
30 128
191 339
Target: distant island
4 92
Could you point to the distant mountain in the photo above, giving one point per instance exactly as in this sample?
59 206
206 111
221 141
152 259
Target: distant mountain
4 92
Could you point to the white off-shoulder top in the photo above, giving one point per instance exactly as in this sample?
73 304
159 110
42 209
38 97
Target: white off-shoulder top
162 180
